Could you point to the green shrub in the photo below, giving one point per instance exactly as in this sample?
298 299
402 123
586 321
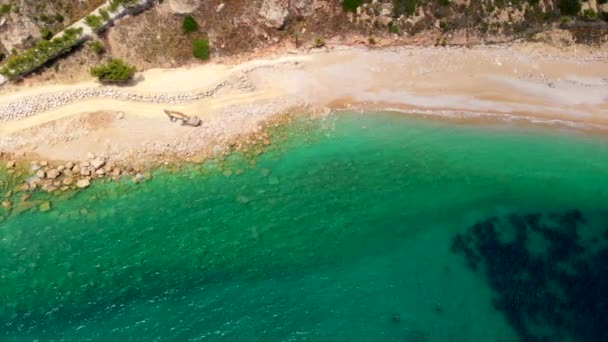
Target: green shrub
94 21
189 25
371 41
444 2
115 71
319 42
589 14
97 47
407 7
104 14
200 49
46 34
569 7
604 15
351 5
601 2
59 18
114 4
5 9
393 28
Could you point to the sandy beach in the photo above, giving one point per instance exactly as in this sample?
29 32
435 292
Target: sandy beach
531 82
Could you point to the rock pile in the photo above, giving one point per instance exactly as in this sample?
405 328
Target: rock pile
71 175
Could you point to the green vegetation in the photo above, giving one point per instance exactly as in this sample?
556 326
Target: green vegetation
200 49
104 14
351 5
189 25
114 4
97 47
393 28
371 41
445 2
404 7
45 50
5 9
319 42
46 34
601 2
604 15
94 21
589 14
115 71
569 7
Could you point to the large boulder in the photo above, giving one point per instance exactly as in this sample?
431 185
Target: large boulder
274 13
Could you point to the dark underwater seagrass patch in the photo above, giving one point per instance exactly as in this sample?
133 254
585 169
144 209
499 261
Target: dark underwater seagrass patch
549 272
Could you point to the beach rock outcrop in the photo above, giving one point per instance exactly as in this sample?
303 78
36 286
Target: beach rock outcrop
274 13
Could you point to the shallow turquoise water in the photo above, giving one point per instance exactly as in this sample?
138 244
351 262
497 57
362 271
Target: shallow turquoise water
341 231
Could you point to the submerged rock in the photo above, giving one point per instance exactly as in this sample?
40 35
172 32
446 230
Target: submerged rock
45 206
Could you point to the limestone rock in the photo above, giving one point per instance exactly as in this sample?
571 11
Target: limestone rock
19 32
303 8
98 163
85 172
10 164
7 204
274 12
83 183
68 181
183 6
53 174
40 174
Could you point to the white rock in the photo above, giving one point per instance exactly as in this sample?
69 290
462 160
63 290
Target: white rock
274 12
98 163
83 183
53 174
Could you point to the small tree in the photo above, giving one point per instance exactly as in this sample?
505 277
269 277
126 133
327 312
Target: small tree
569 7
351 5
115 71
189 25
200 49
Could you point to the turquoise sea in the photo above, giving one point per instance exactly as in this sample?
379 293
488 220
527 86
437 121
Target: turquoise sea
353 227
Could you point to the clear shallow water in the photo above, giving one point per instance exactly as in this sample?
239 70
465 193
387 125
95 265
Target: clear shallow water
343 230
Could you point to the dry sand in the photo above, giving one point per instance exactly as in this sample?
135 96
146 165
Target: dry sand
534 82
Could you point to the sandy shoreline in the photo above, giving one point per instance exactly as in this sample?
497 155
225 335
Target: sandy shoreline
536 82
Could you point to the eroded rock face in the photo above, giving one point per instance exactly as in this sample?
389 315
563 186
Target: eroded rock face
183 6
304 8
17 32
274 12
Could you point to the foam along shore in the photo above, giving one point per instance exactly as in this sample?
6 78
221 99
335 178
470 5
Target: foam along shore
535 81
